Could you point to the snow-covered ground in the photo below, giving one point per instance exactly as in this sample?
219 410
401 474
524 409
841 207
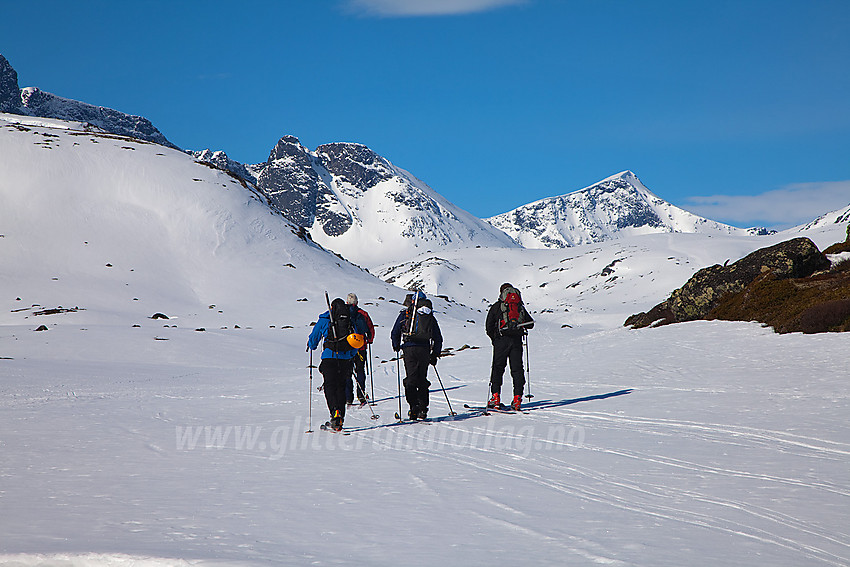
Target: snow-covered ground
127 440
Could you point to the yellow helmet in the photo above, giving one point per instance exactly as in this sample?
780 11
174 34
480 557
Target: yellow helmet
356 340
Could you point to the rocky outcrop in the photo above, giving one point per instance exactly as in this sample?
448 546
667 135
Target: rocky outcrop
796 258
290 182
354 164
816 304
10 93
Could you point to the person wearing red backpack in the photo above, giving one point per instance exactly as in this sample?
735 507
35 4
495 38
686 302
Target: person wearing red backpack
507 323
360 359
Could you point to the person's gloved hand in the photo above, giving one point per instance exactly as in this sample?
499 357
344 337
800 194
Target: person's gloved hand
434 359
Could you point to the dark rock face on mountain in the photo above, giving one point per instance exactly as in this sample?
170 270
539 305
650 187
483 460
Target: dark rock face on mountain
354 164
290 181
797 258
10 93
297 182
358 204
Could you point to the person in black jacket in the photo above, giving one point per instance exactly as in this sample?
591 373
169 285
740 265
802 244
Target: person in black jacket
417 333
507 323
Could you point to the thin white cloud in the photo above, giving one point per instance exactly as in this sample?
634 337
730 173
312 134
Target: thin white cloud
411 8
779 209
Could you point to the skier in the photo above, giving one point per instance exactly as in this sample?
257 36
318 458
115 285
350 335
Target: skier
507 323
416 332
360 359
343 331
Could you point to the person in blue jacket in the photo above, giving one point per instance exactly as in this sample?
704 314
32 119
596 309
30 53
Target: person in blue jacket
343 331
417 333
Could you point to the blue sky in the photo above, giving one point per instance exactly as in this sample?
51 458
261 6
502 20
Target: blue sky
736 110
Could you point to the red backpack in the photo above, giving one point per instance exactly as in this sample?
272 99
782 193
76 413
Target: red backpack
514 316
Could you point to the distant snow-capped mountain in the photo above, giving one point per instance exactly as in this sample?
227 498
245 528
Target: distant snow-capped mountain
839 216
361 206
614 208
32 101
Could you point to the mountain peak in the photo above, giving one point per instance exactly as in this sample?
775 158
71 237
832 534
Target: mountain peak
617 206
360 205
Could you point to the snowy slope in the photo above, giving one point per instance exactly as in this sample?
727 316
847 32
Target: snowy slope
838 217
141 229
158 445
617 207
361 206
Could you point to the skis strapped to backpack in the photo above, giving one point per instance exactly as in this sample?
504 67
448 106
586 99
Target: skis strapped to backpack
418 324
340 325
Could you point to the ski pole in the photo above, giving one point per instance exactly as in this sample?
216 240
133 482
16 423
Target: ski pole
489 393
362 393
310 412
451 411
527 369
371 375
398 375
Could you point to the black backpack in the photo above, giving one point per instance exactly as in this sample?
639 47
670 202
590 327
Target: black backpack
340 327
420 330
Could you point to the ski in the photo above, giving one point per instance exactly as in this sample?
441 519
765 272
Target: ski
408 420
327 427
501 409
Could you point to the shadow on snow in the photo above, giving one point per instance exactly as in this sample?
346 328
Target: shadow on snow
529 407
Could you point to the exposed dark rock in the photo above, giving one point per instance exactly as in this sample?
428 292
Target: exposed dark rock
355 164
42 328
796 258
55 311
10 92
159 316
290 182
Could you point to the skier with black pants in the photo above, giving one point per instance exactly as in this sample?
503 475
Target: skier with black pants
343 331
507 323
360 359
417 333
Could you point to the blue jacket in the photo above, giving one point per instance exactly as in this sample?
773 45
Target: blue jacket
436 342
320 331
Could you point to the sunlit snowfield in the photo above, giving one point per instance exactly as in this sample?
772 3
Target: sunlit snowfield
128 440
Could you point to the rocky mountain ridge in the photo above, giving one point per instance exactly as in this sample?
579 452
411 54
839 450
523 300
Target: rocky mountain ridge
360 205
32 101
